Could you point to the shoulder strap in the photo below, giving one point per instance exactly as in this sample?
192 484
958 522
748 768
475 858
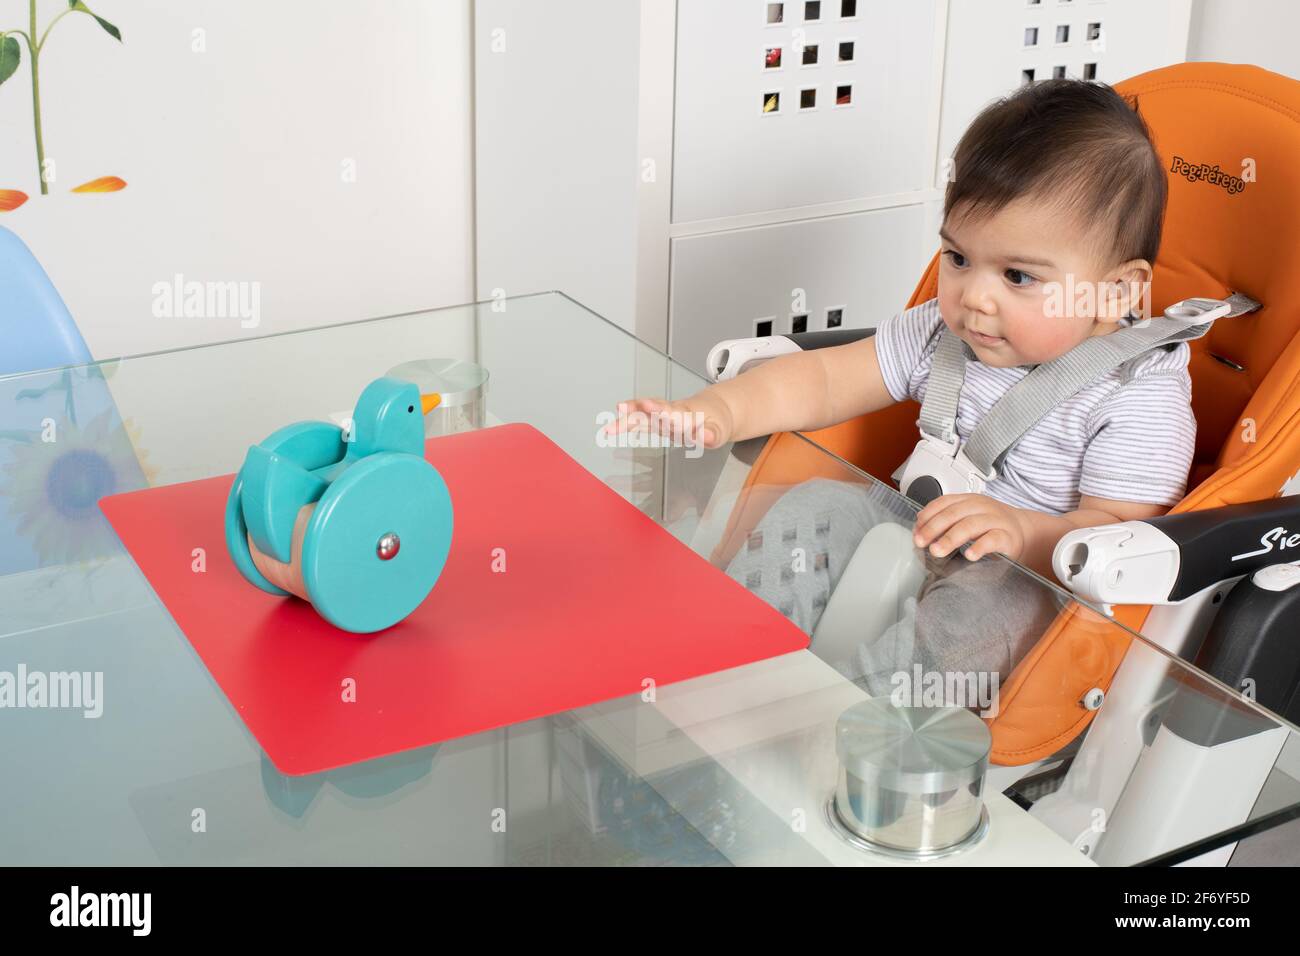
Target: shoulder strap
1047 385
947 372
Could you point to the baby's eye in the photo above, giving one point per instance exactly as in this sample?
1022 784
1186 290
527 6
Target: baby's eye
1014 276
955 257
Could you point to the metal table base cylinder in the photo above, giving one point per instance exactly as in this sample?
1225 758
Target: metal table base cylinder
911 778
463 389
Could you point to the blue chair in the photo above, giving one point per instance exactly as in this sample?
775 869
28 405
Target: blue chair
36 326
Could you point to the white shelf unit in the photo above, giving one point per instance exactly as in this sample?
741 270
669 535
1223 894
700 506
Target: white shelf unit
989 50
802 211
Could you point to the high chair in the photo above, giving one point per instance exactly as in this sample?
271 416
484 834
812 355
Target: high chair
40 334
1208 121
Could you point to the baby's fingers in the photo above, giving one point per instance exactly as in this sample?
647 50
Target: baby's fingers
634 415
939 519
989 543
675 421
967 529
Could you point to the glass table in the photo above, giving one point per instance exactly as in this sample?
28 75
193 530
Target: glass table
726 769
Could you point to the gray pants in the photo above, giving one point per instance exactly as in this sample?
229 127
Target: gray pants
969 616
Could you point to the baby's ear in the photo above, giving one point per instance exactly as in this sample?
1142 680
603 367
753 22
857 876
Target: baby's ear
1128 292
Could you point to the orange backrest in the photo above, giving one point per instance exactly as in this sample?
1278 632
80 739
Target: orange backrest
1229 136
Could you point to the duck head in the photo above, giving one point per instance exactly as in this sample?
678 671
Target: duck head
389 416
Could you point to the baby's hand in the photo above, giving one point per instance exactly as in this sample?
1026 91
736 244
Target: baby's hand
950 521
702 419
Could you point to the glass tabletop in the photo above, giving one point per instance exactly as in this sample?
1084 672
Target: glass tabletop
148 763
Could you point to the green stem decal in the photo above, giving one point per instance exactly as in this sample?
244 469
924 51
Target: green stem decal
11 56
36 102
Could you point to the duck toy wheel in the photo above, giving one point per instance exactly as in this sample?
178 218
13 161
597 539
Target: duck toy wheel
357 523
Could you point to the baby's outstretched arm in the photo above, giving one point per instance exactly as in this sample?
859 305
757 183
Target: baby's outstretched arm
799 392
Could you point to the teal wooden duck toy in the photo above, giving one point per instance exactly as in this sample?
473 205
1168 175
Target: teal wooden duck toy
357 523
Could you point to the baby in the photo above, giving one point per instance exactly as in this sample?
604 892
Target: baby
1055 189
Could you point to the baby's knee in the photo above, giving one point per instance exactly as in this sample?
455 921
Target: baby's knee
960 628
983 617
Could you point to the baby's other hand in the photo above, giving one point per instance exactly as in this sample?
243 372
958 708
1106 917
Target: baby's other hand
950 521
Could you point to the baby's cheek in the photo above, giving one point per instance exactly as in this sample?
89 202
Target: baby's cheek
1044 338
949 304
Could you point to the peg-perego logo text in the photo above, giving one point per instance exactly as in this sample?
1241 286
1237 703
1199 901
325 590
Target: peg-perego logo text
102 909
1209 174
67 690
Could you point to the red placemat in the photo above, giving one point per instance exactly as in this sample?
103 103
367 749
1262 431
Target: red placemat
595 598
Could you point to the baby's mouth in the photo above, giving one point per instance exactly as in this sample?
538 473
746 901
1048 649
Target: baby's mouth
983 339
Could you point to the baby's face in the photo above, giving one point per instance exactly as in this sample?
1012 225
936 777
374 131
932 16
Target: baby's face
995 277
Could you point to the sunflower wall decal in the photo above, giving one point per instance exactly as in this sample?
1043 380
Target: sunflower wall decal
50 490
11 54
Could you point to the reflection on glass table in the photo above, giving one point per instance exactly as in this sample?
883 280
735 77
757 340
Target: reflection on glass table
731 768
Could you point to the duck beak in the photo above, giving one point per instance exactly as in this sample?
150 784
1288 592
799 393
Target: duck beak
430 402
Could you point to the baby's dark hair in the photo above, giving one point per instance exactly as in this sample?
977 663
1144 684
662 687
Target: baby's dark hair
1076 143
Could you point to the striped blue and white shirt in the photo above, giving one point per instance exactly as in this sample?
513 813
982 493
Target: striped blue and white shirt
1129 435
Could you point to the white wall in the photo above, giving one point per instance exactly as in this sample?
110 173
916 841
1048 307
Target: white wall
1263 32
556 149
234 159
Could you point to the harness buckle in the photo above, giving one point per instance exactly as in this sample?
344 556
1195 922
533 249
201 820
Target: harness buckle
938 467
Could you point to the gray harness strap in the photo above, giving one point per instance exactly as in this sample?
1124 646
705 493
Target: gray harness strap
947 372
1046 386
